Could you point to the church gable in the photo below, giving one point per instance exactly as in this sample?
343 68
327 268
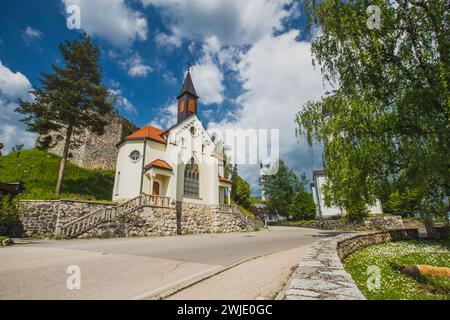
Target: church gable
188 129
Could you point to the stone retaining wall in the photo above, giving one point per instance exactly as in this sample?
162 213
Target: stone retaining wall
347 246
321 275
373 223
39 219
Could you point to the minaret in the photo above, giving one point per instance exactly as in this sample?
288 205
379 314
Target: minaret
187 99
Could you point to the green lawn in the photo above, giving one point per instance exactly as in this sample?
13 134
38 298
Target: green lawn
39 170
395 285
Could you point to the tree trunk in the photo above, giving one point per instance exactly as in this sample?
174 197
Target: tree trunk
62 165
428 221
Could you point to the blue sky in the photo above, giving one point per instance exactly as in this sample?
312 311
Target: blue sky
252 63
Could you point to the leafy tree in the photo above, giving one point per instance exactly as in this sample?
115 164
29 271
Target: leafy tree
302 206
242 193
403 202
240 190
385 126
279 188
72 99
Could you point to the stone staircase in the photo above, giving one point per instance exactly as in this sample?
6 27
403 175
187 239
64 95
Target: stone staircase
93 219
78 226
234 209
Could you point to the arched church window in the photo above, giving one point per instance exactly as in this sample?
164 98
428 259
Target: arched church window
192 180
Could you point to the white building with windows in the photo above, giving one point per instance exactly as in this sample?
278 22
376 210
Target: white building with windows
323 211
181 162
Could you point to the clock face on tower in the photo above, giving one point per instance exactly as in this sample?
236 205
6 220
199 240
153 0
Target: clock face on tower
181 105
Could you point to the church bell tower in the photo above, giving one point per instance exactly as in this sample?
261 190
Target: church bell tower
187 99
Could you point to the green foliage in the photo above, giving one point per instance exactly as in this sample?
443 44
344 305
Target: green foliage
395 285
38 169
240 190
385 127
279 188
70 100
71 96
254 200
9 218
302 206
127 129
403 202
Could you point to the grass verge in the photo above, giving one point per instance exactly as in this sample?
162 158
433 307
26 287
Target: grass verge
395 285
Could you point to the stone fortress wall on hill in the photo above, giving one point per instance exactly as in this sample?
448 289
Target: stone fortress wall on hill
99 151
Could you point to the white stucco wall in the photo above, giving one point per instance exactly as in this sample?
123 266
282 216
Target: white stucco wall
128 173
324 211
179 150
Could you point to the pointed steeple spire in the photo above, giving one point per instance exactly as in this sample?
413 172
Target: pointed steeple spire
188 86
187 99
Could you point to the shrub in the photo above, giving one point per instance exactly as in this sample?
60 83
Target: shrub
10 224
302 206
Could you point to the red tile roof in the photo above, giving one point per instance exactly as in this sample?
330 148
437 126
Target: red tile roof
150 132
224 180
159 164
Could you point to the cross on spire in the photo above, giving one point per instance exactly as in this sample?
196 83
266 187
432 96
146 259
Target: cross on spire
189 65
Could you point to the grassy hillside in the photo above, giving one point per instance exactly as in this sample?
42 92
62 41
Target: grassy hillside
39 170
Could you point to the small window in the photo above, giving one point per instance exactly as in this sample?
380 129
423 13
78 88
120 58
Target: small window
192 130
203 148
191 106
181 105
135 155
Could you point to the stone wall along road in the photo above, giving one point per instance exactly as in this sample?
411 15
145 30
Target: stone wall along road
321 275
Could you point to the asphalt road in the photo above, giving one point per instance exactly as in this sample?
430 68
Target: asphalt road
135 268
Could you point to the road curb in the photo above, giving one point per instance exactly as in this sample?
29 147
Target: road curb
166 293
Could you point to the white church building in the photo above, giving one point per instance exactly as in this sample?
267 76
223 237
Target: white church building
323 211
181 162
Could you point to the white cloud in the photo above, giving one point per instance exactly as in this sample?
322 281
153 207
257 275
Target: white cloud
169 77
233 22
112 20
208 80
278 78
168 41
139 70
30 34
167 116
135 66
123 103
13 85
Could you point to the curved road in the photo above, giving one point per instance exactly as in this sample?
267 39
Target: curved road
142 268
